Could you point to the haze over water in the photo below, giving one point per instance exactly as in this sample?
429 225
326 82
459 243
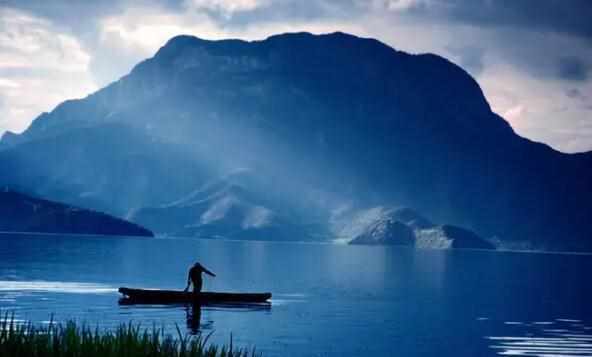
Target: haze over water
327 299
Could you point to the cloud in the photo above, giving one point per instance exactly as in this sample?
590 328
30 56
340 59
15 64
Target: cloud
535 110
570 18
576 94
470 58
573 68
28 42
226 6
514 114
10 84
143 30
555 56
39 67
395 5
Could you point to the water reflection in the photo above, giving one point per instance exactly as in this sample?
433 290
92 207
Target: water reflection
193 312
55 287
561 337
193 317
327 300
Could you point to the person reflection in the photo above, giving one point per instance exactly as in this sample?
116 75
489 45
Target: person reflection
193 315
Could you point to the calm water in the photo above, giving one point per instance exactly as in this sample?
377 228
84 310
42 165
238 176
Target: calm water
328 299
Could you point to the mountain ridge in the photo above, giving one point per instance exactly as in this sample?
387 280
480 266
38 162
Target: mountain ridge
23 213
187 39
336 118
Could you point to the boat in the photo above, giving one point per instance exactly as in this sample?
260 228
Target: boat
151 296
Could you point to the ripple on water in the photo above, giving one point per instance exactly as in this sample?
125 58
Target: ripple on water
55 286
284 299
570 340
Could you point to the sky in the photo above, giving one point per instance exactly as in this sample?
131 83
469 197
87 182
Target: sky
532 58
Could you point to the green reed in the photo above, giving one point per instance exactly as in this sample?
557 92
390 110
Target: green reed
72 340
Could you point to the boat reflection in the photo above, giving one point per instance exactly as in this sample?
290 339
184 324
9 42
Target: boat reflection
193 312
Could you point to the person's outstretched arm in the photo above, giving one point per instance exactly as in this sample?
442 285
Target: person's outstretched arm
208 272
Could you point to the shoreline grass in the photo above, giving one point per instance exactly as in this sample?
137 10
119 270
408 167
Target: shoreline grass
70 339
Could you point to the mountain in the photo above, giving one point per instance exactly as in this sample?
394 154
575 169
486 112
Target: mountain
23 213
9 139
386 232
328 121
109 167
447 237
404 226
226 207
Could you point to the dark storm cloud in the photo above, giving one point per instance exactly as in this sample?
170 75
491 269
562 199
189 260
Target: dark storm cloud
562 16
549 39
571 17
82 11
542 55
580 97
573 68
565 16
68 13
575 93
81 14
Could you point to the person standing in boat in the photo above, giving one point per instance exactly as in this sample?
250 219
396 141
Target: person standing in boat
194 277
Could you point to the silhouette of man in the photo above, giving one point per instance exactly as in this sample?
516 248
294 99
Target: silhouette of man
194 277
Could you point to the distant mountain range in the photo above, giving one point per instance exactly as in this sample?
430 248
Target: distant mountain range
22 213
326 126
226 208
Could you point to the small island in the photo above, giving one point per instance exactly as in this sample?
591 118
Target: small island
406 227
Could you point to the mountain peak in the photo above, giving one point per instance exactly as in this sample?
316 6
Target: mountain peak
299 41
304 35
9 139
177 44
183 41
8 135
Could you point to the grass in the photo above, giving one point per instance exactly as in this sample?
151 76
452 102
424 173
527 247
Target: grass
73 340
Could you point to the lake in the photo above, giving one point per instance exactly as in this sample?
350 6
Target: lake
328 299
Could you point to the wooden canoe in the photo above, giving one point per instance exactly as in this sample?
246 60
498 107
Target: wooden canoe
145 296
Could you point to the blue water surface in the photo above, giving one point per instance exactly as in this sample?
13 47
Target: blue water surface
328 299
